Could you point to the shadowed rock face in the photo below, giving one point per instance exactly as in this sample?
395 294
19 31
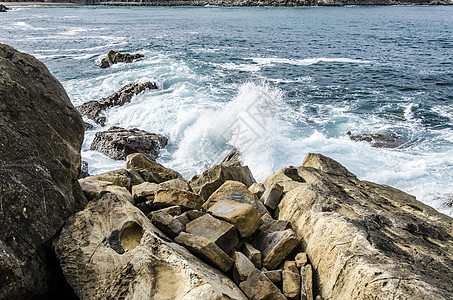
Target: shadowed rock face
368 241
41 134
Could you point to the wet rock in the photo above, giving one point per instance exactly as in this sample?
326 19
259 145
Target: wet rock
235 191
301 259
371 232
167 223
150 170
208 182
274 275
272 195
253 254
114 57
272 225
232 159
259 287
94 110
306 274
41 134
206 249
275 246
223 234
257 189
291 280
185 199
88 126
83 170
378 140
242 267
117 143
95 189
135 262
243 216
3 8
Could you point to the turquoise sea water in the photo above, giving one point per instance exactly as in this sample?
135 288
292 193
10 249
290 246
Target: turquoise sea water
274 82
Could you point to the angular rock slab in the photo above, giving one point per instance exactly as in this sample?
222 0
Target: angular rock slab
306 275
151 268
257 189
117 143
150 170
275 246
210 180
185 199
243 216
291 280
206 249
272 195
235 191
94 189
41 134
242 267
368 239
253 254
259 287
222 233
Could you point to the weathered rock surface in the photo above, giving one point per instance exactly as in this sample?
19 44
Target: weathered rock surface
167 223
120 177
253 254
94 110
222 233
185 199
306 291
291 280
367 240
289 178
114 57
272 225
242 267
232 159
235 191
206 249
301 259
117 143
83 170
94 189
257 189
150 170
41 135
243 216
112 250
378 140
274 275
275 246
272 195
208 182
259 287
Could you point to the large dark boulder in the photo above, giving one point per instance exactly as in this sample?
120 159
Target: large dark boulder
117 143
114 57
41 134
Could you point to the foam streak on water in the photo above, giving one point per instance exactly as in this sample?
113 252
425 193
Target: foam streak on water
275 83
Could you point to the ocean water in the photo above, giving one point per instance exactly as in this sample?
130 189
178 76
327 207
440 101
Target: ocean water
274 82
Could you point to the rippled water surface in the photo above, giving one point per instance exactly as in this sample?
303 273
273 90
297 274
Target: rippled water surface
274 82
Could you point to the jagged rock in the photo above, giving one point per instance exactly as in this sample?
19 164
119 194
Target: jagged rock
274 275
243 216
306 292
167 223
120 177
275 246
291 280
301 259
242 267
259 287
253 254
114 57
94 110
257 189
88 126
208 182
144 190
41 134
193 214
378 140
183 218
3 8
235 191
94 189
151 171
289 178
272 195
272 225
185 199
83 170
176 184
368 239
112 250
206 249
222 233
117 143
172 211
232 159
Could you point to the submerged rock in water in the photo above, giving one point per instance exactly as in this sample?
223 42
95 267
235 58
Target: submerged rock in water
117 143
378 140
94 110
114 57
41 134
3 8
367 240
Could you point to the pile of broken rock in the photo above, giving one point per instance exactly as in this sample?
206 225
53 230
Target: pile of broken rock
221 216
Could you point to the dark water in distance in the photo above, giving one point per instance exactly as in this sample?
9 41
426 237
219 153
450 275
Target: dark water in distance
274 82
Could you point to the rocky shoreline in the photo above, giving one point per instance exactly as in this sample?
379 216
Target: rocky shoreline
314 231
